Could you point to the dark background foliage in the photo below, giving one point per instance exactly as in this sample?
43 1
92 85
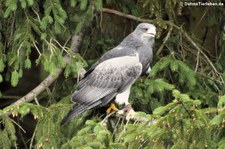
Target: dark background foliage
180 104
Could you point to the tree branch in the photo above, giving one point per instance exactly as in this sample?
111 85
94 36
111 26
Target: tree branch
76 39
118 13
39 89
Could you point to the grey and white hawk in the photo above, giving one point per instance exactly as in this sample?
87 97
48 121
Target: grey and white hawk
111 77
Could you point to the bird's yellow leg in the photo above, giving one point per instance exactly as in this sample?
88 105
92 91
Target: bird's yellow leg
112 108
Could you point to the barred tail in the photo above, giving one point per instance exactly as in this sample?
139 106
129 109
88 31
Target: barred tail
76 110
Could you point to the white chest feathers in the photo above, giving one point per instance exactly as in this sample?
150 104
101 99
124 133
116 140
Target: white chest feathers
122 98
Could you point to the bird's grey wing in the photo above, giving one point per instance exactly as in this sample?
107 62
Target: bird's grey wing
119 51
108 78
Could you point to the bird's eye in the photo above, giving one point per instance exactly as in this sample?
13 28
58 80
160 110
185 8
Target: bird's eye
144 29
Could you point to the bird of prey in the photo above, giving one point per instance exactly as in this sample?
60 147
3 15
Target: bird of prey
112 76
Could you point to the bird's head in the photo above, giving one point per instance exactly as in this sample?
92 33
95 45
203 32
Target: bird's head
145 31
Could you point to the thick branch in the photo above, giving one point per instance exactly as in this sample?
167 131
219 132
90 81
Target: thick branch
39 89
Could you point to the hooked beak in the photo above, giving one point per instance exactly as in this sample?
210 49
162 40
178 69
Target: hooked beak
151 32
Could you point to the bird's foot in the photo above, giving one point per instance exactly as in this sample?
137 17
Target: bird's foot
112 108
127 112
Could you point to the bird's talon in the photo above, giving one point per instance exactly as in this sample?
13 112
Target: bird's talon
112 108
108 110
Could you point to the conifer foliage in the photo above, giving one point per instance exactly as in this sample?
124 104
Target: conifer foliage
180 103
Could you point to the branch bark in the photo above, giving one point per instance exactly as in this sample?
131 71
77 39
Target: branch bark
39 89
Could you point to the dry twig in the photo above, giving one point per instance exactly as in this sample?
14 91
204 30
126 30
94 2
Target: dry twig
165 40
